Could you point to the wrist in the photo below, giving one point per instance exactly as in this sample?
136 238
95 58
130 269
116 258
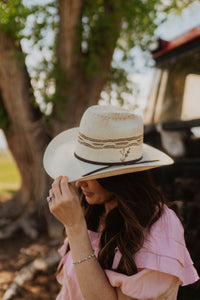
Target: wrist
79 242
76 229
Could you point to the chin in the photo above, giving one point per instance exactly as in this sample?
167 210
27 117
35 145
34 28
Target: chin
91 202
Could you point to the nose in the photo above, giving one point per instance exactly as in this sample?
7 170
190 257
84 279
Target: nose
81 183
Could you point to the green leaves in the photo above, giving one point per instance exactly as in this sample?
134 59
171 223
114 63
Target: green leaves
105 25
98 32
13 15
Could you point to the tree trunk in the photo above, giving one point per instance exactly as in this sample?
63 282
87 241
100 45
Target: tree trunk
26 133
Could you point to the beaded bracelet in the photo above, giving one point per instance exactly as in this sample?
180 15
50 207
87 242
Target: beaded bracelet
83 259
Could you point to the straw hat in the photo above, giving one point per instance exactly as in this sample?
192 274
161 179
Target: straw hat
108 142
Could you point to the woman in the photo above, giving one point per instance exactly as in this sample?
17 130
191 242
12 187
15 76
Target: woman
122 241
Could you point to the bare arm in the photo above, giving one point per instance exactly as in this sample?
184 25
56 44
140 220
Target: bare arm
91 277
66 208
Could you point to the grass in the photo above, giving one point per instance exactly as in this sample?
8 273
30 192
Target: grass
9 174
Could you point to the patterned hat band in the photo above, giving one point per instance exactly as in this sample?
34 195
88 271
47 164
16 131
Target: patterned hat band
119 143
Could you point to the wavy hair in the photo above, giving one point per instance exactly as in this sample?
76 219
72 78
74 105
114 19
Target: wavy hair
139 205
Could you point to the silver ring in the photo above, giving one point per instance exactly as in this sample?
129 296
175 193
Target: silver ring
49 198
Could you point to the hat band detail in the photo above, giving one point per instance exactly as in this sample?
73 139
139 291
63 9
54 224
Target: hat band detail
109 143
110 140
108 165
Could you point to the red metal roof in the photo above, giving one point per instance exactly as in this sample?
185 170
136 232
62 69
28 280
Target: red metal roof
167 46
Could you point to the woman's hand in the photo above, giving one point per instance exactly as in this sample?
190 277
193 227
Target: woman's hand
65 205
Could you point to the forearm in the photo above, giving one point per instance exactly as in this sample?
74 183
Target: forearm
92 280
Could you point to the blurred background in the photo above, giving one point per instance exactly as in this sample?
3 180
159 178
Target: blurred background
56 59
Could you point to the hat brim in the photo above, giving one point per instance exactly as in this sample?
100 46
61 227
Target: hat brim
59 160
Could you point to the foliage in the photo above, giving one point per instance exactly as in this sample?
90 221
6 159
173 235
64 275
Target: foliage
119 88
13 16
132 23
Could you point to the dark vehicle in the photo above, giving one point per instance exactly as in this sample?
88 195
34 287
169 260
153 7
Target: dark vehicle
172 123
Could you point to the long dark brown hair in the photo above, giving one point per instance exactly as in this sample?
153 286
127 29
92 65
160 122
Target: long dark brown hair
140 204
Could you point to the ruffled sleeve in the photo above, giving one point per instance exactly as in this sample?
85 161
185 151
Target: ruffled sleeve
163 256
164 249
146 284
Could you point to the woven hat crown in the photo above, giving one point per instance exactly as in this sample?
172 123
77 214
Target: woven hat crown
109 134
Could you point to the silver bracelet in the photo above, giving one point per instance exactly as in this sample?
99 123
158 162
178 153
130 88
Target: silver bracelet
84 259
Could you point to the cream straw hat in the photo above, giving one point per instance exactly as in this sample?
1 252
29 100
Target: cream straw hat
108 142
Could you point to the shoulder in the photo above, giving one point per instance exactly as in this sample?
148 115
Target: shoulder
164 240
167 226
165 237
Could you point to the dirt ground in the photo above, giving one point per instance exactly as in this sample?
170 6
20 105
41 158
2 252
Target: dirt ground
18 252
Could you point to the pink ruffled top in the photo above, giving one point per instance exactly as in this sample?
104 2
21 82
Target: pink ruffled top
163 264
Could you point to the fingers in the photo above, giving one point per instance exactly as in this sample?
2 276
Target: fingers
56 188
65 186
65 204
54 193
61 188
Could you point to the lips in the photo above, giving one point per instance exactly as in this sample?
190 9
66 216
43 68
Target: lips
88 194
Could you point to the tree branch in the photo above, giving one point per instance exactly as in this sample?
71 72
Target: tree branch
15 86
70 14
